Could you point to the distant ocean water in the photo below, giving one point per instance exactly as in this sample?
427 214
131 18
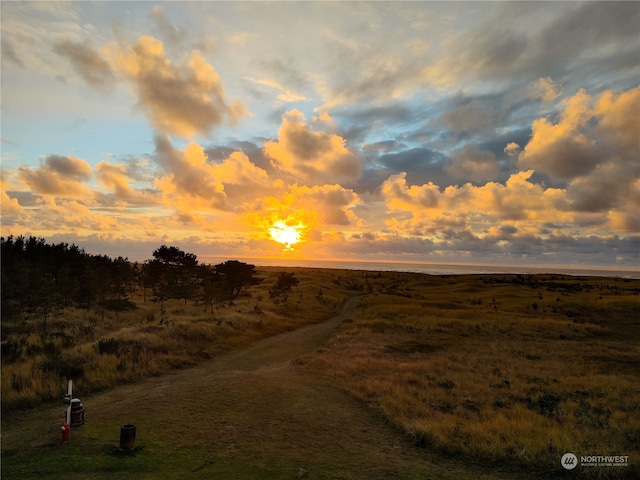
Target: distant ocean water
434 269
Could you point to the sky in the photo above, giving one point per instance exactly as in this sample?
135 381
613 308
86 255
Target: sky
437 132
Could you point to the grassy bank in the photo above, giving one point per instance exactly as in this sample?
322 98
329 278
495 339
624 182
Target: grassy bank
509 370
504 368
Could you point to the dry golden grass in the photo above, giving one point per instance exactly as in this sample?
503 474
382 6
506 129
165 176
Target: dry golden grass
509 368
125 347
505 368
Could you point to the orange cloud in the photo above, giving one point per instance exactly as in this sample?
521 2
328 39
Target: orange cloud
60 175
399 196
517 199
560 150
237 169
594 147
10 206
73 215
116 177
312 158
321 205
181 99
545 89
512 149
626 218
428 207
332 202
191 182
188 183
619 120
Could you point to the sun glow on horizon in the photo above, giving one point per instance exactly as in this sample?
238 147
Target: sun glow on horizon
288 235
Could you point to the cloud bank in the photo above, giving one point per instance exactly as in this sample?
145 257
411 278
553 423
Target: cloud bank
493 142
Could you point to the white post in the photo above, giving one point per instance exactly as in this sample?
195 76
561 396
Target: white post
70 392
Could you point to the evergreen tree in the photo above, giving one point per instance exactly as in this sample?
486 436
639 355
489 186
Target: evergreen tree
236 276
173 274
283 284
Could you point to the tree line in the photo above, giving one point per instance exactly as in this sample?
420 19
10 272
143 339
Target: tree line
39 278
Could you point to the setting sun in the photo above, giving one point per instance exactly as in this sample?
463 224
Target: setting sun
288 235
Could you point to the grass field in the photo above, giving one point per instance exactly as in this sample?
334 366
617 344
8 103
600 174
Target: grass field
127 346
505 368
492 376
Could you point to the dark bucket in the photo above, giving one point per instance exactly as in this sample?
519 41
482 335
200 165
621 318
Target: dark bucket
127 436
77 413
